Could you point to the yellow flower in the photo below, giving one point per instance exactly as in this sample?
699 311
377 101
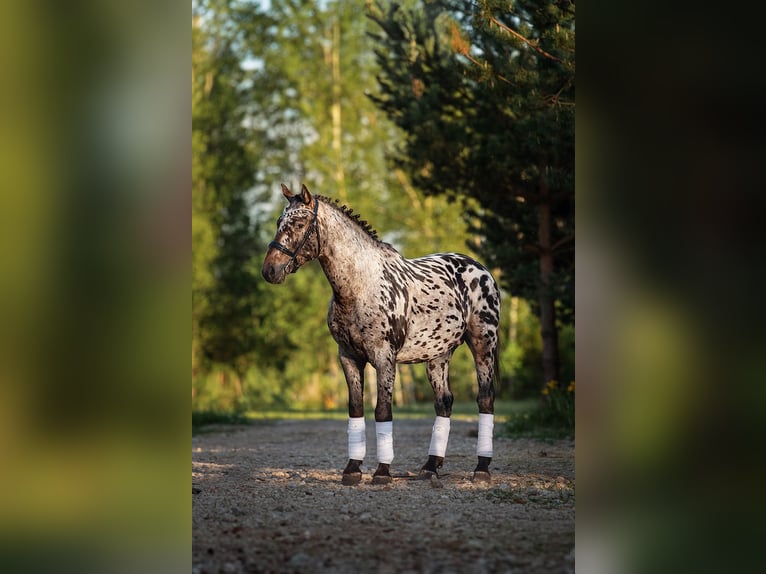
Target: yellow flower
545 391
552 384
571 387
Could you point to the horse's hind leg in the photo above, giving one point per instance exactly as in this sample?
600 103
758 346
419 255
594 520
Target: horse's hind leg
438 375
484 349
357 441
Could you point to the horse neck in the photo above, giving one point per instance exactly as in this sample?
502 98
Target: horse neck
348 255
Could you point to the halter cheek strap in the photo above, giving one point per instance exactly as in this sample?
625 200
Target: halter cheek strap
293 255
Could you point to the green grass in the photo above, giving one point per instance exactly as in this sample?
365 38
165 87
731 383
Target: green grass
519 418
538 422
206 421
504 410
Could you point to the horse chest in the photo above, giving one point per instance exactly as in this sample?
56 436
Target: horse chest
369 328
345 331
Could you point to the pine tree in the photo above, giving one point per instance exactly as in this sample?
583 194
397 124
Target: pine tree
485 93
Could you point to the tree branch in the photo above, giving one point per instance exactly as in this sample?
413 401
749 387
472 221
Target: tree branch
528 42
480 65
533 247
562 241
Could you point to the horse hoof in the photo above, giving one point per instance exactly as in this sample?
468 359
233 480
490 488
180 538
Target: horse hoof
382 479
426 474
351 478
481 476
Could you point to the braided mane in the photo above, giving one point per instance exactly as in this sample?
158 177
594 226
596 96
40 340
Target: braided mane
348 212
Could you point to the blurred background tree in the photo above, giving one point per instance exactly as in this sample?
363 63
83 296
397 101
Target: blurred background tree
283 91
224 285
485 93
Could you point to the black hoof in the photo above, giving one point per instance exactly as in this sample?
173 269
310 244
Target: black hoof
430 467
382 474
382 479
481 472
351 478
352 474
481 476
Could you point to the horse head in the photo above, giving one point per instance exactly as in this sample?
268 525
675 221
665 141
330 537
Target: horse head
297 239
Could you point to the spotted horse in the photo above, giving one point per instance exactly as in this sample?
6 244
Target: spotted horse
385 310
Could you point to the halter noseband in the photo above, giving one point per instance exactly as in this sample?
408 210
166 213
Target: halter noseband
293 255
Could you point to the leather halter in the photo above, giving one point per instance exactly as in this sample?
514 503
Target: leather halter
293 255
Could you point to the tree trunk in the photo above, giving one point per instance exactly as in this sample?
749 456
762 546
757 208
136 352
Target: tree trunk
398 387
408 384
546 299
335 111
513 324
371 382
238 385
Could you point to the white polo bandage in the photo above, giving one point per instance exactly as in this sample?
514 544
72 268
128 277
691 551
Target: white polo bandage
385 434
439 437
357 439
484 443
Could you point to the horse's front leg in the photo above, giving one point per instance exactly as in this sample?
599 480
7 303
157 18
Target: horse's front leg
353 369
384 424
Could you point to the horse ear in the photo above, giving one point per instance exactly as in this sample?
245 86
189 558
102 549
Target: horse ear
286 191
305 194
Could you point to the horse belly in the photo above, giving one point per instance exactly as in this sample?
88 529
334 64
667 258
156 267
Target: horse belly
427 340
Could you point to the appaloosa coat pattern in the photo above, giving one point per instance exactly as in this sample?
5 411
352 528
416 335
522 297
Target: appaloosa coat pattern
387 309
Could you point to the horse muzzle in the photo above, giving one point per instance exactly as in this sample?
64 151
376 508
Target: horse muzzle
274 273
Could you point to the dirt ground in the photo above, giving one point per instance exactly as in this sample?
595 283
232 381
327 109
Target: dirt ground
268 498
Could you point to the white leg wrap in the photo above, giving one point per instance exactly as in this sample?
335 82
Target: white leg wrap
385 433
357 440
484 444
439 437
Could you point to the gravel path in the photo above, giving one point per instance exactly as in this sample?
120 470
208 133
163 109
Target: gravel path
268 498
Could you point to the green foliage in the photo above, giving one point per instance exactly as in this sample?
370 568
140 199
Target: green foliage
567 349
229 103
279 94
552 417
485 94
520 356
203 419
